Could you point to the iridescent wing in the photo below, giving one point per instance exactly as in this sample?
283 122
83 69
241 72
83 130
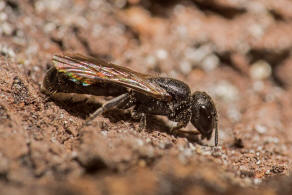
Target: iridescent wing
88 71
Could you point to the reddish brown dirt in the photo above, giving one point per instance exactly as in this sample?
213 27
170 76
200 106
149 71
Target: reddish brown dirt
237 51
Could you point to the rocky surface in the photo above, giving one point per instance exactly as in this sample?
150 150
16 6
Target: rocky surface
237 51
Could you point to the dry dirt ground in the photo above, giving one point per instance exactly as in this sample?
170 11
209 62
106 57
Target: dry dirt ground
238 51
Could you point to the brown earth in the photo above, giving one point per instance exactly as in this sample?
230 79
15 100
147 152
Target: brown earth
237 51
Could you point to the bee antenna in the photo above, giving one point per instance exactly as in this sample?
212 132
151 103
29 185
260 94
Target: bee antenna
216 132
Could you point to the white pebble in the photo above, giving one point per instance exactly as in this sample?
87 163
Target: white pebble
258 162
120 3
260 129
7 28
187 152
39 6
197 55
74 154
234 114
3 16
274 140
97 29
2 5
104 133
148 140
181 30
178 9
192 147
49 27
7 51
151 61
260 70
257 181
210 62
256 30
185 67
139 142
161 145
161 54
226 91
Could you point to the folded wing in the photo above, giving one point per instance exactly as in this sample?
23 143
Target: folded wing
88 70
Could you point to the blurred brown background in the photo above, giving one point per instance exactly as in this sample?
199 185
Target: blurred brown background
236 50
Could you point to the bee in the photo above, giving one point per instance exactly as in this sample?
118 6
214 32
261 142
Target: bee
145 94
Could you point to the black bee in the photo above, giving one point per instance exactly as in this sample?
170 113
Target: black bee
147 95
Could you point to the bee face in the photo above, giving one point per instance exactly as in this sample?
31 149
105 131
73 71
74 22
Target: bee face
204 115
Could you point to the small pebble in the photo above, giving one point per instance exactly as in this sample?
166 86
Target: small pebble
196 56
274 140
120 3
178 9
258 162
49 27
7 51
257 181
182 158
97 30
7 29
192 147
104 133
233 114
256 30
161 54
3 16
261 129
139 142
217 151
226 91
187 152
181 30
148 140
2 5
150 61
185 67
161 145
74 154
260 70
210 63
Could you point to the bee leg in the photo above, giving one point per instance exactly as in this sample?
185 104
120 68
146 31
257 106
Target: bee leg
140 116
175 129
143 122
111 104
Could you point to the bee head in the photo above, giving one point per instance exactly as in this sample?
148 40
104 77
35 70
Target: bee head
204 115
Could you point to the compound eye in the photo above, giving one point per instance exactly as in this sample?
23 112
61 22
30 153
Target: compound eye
205 121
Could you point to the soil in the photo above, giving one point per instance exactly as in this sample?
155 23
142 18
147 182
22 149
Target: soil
236 51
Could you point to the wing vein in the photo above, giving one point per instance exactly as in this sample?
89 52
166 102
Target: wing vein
89 70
